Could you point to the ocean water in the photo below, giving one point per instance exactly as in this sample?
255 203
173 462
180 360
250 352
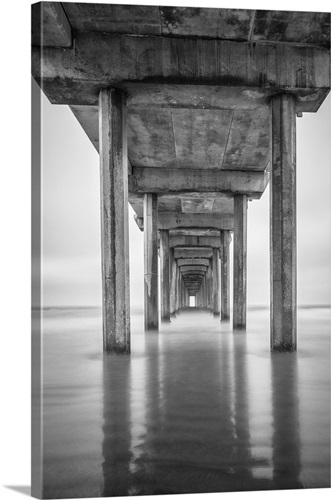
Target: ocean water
194 408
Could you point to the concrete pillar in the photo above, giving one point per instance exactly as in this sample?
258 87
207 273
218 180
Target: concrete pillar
165 274
225 274
177 288
239 261
203 293
216 282
172 282
210 287
114 221
151 262
283 262
197 298
183 293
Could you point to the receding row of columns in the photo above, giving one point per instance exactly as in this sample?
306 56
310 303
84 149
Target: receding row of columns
115 237
175 289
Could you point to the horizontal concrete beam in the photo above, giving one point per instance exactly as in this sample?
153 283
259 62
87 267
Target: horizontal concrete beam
193 268
194 232
196 274
171 220
193 253
192 262
171 180
98 60
192 241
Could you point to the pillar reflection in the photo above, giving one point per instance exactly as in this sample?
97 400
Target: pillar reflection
116 446
286 442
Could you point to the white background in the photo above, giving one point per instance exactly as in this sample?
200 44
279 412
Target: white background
15 240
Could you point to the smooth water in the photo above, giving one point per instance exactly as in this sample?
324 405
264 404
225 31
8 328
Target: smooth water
195 408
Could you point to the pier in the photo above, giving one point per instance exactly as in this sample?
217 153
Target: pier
193 115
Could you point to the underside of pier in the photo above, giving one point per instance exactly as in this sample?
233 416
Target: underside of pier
193 112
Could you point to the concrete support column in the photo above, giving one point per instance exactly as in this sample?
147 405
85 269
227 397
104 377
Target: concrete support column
204 292
165 274
182 293
210 286
216 282
172 282
239 261
283 260
197 298
177 288
225 274
114 221
151 292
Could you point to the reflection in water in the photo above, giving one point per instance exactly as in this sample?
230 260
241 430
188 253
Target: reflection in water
116 429
195 408
286 425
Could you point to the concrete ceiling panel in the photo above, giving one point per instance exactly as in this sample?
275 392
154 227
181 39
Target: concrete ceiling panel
200 136
151 138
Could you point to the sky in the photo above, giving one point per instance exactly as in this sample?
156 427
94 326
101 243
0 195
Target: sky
71 217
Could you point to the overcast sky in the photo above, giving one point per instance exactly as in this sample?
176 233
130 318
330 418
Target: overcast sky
71 218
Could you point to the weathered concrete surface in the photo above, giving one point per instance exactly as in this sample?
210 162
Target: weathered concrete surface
225 274
193 253
195 232
174 202
227 24
197 180
109 18
85 68
50 25
240 262
283 225
165 275
151 273
171 220
114 222
192 272
194 241
195 268
216 281
192 262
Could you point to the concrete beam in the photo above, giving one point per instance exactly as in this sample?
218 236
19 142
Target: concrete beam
114 222
192 262
195 274
195 232
193 253
194 241
96 60
171 220
151 273
170 181
283 260
194 268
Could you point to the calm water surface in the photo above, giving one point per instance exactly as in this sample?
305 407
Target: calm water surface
195 408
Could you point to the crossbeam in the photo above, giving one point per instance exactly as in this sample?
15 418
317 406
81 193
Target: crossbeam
96 60
171 180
